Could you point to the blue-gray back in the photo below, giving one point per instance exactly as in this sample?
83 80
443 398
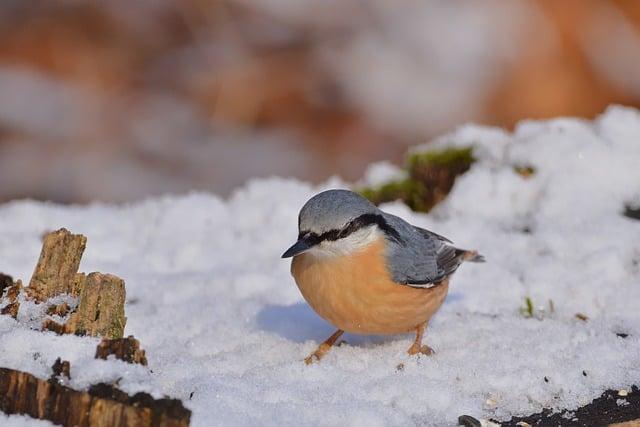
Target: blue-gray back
421 258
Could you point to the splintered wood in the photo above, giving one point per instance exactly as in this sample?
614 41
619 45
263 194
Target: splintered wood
59 310
101 406
61 370
127 349
11 297
100 310
57 270
5 282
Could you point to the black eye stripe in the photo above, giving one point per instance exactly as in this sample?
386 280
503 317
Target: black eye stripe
311 238
357 224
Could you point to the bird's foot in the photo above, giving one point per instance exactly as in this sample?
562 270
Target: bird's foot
420 349
324 347
318 354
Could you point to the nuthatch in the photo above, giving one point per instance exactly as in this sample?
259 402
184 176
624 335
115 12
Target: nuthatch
369 272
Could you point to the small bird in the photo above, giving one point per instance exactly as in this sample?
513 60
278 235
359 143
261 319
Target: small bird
369 272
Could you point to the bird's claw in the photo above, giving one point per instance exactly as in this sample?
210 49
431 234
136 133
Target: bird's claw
318 354
311 358
424 349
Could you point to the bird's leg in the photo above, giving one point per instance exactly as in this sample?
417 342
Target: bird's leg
418 347
324 347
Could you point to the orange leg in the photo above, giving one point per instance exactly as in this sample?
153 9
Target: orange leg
324 347
417 347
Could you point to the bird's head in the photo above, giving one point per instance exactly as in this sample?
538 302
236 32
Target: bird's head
336 222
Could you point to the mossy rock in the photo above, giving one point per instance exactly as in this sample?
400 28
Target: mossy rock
431 176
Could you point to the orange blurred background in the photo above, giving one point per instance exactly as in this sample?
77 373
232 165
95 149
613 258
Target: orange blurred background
117 100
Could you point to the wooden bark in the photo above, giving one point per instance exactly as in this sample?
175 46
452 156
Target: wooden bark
127 349
13 291
61 369
100 311
59 310
11 309
57 269
11 295
5 282
101 406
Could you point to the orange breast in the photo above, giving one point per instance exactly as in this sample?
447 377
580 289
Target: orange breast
355 293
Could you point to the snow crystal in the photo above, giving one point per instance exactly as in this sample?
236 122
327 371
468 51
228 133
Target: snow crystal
225 328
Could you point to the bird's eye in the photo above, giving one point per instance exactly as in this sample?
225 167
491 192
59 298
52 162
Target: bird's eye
304 235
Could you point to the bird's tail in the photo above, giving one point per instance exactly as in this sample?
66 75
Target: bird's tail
471 256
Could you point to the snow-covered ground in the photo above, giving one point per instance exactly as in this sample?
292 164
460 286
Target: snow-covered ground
225 328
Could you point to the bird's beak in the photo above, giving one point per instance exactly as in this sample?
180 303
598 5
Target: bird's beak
298 247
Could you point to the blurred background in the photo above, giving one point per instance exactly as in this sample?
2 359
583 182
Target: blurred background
116 100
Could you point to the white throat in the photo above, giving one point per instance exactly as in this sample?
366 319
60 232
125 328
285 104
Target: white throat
352 243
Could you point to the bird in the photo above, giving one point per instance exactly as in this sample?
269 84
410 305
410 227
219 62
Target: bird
366 271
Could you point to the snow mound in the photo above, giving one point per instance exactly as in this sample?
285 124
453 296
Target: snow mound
225 328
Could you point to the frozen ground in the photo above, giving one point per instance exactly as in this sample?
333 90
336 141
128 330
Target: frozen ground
223 322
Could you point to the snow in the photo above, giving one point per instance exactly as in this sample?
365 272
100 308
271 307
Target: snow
220 317
380 173
22 421
622 402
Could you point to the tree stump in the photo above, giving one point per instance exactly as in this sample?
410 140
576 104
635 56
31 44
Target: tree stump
61 369
5 282
59 310
11 295
127 349
100 311
57 270
102 405
11 309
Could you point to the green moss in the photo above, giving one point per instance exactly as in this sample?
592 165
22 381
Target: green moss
431 177
447 157
410 191
116 330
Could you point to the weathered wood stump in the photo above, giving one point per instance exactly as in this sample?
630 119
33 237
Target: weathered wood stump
11 309
5 282
61 369
127 349
99 312
59 310
102 405
57 270
11 295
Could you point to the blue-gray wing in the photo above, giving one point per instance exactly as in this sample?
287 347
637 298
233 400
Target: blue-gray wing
431 234
419 258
